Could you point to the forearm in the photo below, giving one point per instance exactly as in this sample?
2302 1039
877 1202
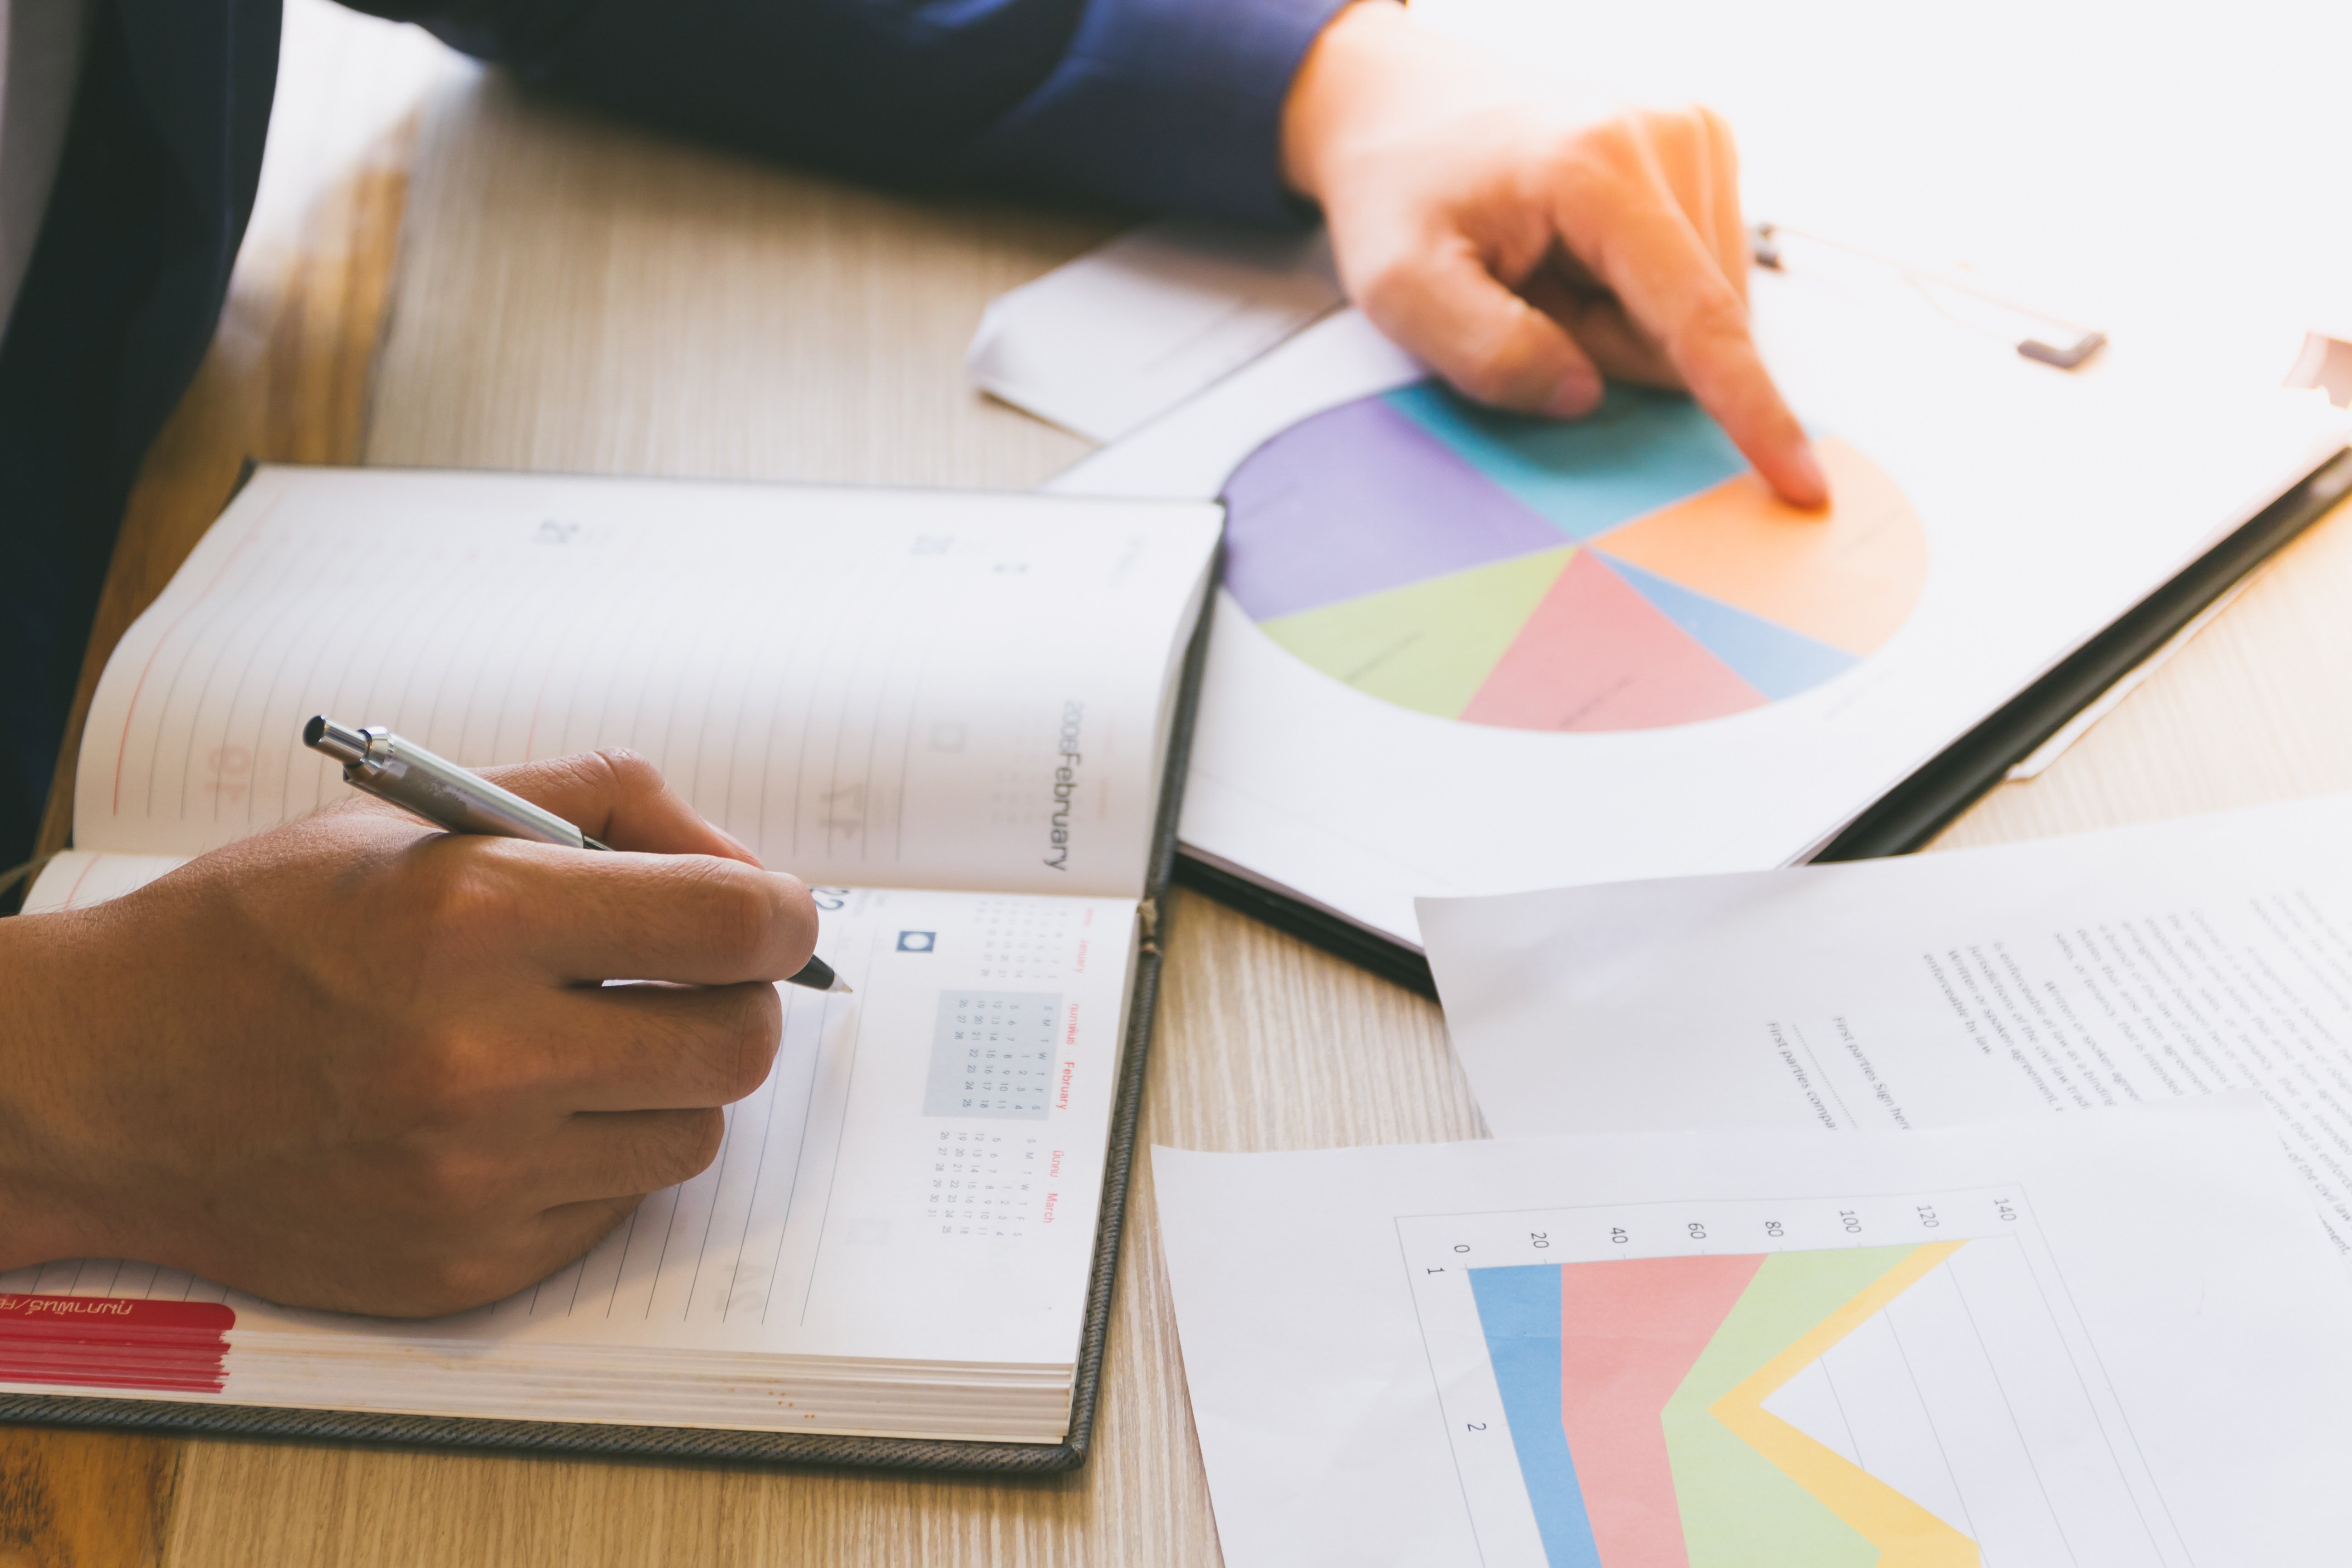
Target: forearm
1368 46
42 1215
1174 104
1143 103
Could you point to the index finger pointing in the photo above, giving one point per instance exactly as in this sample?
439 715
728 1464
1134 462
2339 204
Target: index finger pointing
1670 282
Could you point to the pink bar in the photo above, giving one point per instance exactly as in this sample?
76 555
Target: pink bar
1629 1334
1596 655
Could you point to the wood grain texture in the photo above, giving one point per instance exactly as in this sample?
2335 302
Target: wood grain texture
573 296
580 297
83 1500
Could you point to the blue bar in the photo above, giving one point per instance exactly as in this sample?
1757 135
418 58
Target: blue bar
1519 1309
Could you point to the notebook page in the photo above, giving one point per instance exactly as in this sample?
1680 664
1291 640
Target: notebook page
916 1181
867 688
77 879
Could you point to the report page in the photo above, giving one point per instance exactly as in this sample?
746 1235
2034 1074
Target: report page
2118 1344
2068 974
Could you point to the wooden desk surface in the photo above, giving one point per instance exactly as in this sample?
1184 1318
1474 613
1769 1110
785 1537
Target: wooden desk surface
570 295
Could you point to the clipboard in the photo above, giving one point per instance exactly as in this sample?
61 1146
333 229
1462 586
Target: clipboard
1915 811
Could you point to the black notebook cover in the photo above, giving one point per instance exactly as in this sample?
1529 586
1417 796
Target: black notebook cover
1916 810
613 1440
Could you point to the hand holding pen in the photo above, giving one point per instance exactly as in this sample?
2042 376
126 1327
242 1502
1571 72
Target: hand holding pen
361 1064
382 765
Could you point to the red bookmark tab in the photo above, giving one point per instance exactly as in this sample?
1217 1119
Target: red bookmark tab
108 1341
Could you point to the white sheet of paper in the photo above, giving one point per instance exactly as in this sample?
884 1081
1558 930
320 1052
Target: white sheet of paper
2050 502
2120 1342
1101 345
2181 958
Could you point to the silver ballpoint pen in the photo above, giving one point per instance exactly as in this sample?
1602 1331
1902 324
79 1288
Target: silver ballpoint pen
381 763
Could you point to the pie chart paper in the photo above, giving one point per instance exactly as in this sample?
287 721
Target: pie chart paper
1465 652
1624 571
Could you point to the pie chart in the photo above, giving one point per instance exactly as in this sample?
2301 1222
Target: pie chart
1627 570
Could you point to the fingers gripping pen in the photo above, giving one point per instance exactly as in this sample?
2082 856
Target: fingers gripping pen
379 763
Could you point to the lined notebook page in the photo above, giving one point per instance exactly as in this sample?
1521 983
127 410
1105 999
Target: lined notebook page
917 1180
869 688
77 879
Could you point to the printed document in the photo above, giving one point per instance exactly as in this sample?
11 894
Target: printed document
2070 975
2119 1342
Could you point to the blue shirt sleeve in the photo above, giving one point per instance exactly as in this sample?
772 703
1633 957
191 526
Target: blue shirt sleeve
1157 104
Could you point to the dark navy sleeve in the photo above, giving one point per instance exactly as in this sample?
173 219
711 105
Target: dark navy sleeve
1157 104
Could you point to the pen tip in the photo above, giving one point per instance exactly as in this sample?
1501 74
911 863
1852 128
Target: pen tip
839 987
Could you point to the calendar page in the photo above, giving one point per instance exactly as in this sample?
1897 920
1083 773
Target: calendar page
919 1180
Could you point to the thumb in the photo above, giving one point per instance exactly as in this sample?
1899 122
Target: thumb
1457 318
619 797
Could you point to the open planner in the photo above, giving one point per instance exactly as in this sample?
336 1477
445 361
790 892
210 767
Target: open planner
957 715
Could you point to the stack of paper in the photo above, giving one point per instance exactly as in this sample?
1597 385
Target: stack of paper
2109 970
2110 1336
